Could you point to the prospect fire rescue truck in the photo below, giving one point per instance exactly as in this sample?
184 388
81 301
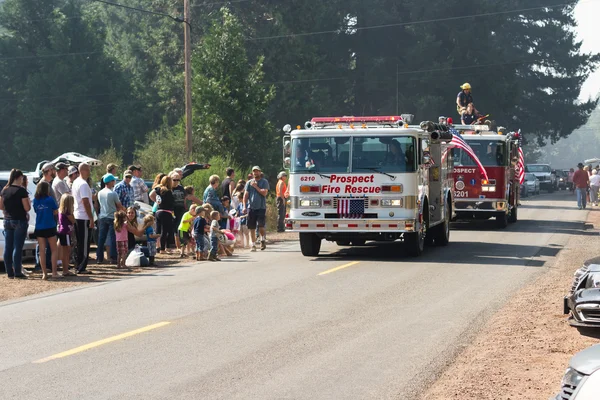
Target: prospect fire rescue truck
497 196
354 179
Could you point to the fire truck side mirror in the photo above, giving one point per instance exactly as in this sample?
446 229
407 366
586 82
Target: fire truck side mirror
287 147
426 158
287 163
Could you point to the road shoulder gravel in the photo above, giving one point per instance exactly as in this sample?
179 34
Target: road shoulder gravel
523 350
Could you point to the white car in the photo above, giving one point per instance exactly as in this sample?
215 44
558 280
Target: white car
582 379
30 242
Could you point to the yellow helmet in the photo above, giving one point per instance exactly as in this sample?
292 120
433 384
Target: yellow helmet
466 86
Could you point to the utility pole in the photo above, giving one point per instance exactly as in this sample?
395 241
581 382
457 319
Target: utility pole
188 78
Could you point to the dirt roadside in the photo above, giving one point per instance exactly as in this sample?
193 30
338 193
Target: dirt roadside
524 349
14 288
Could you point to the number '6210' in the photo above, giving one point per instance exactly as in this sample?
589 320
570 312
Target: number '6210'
307 179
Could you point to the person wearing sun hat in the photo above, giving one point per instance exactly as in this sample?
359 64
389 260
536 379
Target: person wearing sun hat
255 204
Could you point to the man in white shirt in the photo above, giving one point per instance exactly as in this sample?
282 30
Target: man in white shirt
84 217
594 187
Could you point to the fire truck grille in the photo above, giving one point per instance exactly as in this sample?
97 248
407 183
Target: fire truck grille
336 200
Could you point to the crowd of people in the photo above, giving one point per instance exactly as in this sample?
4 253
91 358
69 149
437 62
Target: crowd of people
68 209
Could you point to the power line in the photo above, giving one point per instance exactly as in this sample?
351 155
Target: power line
341 78
50 55
142 10
361 28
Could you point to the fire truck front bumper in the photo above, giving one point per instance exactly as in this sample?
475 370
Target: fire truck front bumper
479 208
350 226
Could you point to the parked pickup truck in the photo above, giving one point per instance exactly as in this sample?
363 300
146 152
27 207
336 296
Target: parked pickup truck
545 175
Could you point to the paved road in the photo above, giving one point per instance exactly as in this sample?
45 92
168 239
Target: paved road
268 326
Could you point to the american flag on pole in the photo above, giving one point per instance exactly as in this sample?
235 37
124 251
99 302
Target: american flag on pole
521 167
351 208
460 143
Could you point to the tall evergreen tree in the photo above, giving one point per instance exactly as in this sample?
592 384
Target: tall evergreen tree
230 98
62 92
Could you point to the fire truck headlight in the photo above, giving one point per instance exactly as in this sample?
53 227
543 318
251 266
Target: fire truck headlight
310 203
391 203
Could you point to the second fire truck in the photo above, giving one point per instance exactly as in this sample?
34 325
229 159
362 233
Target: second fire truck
498 195
354 179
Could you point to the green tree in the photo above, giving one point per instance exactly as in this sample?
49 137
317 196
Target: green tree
230 99
62 93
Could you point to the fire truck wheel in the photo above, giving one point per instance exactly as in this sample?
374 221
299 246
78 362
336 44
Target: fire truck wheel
310 244
501 220
415 241
513 215
441 232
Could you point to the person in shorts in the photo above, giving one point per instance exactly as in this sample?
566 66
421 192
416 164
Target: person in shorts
66 224
46 210
255 203
184 228
199 230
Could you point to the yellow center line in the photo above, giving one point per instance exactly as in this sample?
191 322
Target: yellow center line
101 342
338 268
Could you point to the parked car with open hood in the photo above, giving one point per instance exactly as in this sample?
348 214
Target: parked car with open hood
582 304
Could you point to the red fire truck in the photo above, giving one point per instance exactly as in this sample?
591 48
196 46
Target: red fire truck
498 195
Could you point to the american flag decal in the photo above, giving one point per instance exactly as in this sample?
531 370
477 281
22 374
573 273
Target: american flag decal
351 208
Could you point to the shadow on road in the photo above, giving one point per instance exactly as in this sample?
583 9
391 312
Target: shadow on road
456 253
533 226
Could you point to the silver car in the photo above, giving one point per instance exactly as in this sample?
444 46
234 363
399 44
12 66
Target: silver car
582 378
532 183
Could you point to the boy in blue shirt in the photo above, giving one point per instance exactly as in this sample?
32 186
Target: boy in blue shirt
199 228
150 237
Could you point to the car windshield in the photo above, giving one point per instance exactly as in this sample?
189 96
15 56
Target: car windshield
332 154
384 153
491 153
538 168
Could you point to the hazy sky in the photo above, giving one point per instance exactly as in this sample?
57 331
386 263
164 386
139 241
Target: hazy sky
587 13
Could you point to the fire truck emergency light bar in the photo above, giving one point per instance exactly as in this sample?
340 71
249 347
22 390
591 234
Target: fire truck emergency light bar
348 120
476 128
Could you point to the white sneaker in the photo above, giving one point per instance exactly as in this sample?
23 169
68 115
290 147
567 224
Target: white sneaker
253 248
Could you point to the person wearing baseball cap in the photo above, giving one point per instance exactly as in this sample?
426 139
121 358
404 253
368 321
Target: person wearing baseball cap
109 205
125 190
255 204
282 195
48 175
58 184
140 190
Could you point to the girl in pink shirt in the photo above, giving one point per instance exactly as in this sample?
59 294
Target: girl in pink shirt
121 235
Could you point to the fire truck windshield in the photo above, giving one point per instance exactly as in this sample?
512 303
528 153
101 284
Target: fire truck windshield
491 153
332 154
